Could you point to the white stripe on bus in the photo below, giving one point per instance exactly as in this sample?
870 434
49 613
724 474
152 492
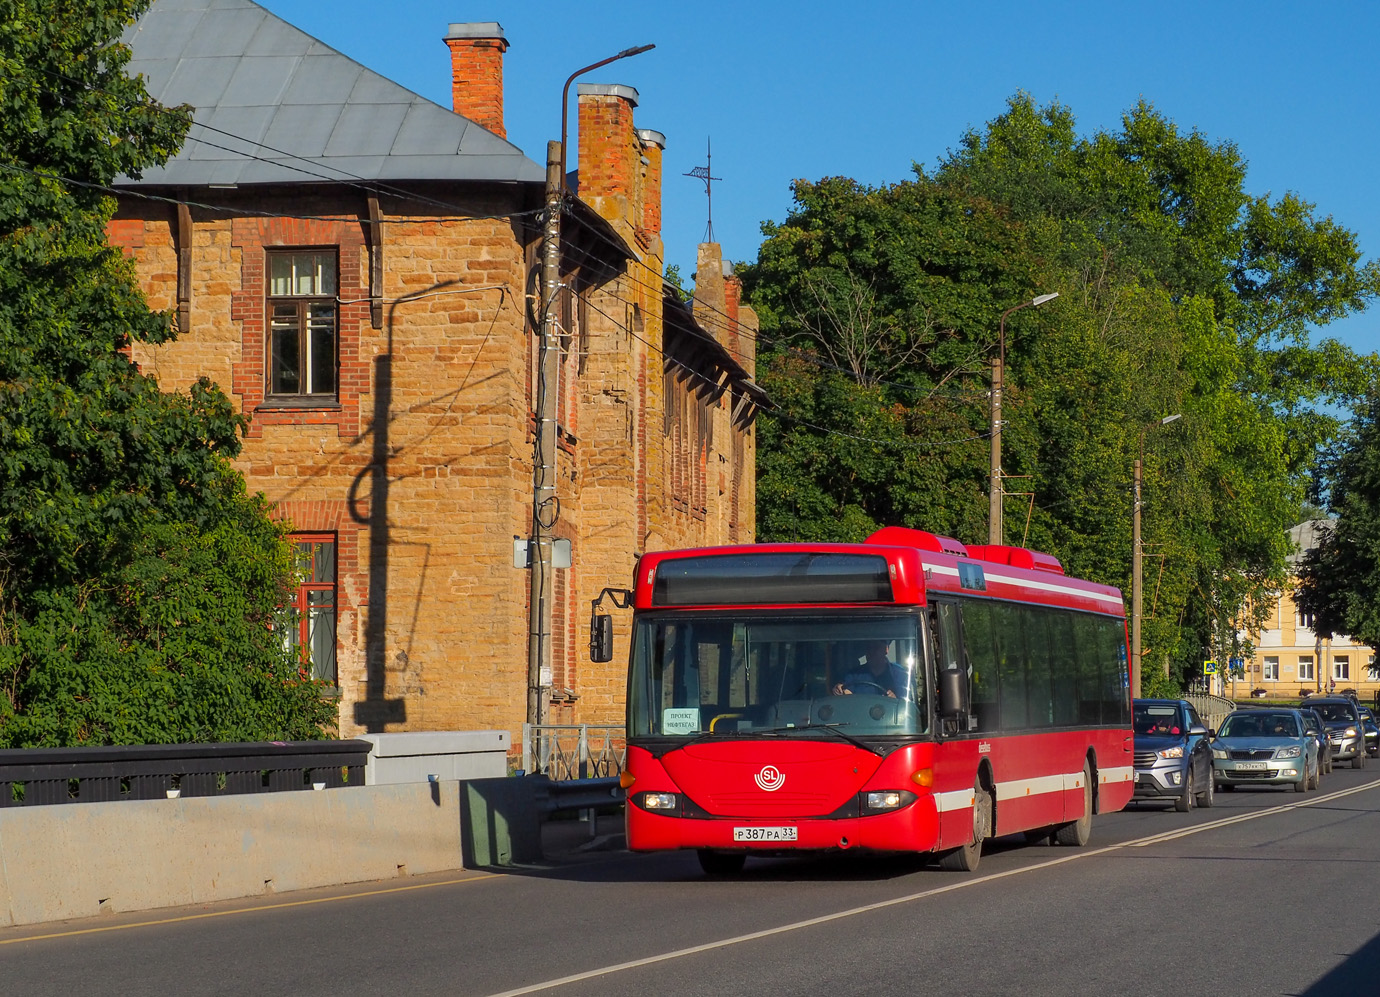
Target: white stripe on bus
1041 586
1019 789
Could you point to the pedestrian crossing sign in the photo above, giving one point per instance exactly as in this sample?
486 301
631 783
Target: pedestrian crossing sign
1209 668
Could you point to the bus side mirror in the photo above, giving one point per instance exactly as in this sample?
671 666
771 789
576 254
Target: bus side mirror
600 637
953 693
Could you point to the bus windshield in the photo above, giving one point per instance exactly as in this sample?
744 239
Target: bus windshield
697 674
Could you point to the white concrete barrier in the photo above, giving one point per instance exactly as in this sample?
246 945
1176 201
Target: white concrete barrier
76 860
412 756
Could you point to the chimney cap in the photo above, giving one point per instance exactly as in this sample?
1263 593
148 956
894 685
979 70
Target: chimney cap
629 94
477 29
649 137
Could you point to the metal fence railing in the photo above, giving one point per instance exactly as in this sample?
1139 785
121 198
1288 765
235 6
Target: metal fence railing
40 776
1212 709
563 752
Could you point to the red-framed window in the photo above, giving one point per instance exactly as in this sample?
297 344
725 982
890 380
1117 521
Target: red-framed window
313 631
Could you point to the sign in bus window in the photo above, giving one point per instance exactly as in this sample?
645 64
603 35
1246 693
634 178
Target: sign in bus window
680 721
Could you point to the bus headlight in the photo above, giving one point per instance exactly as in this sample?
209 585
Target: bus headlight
659 801
886 799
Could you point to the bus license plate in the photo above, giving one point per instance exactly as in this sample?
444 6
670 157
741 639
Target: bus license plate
1251 766
764 834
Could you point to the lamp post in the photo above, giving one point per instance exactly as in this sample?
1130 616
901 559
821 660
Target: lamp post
545 508
1136 587
994 491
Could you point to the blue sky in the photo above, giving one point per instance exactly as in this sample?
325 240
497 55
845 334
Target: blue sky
788 90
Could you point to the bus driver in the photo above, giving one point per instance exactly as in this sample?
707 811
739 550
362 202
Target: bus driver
876 674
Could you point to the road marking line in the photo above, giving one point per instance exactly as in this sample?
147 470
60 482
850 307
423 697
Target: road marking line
924 894
248 910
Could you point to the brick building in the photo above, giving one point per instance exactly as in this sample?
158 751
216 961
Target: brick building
356 267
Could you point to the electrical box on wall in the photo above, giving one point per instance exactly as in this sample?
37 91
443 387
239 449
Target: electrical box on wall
560 553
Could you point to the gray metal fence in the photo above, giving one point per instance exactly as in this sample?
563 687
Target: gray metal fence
1213 709
563 752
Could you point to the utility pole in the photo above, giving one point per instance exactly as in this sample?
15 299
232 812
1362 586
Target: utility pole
1136 564
544 504
1135 581
994 488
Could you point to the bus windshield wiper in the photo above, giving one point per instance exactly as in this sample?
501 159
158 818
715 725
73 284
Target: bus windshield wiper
831 728
730 735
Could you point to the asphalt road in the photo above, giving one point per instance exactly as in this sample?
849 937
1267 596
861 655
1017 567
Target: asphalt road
1269 892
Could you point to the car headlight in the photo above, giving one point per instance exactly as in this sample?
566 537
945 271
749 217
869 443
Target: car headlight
1293 751
1351 732
1219 753
1175 752
659 801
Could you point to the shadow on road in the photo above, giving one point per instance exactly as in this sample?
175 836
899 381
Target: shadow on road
1356 975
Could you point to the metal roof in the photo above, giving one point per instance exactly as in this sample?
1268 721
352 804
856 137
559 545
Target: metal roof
275 105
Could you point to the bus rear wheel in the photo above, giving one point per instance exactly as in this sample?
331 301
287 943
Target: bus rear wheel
721 863
1076 833
966 858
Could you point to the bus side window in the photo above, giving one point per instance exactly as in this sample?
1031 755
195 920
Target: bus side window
979 645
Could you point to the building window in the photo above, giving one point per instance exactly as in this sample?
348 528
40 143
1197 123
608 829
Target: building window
302 353
1341 668
1271 669
1370 669
312 634
1305 667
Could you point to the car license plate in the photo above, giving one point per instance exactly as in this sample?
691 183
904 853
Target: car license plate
764 834
1251 766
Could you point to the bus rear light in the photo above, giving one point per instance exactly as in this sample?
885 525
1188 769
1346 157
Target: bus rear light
659 801
925 777
626 779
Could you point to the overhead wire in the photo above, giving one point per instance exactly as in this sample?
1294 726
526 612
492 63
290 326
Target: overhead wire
761 338
778 413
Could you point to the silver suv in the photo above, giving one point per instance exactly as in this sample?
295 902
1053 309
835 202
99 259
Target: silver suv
1344 727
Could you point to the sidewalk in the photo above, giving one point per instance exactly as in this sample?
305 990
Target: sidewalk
568 839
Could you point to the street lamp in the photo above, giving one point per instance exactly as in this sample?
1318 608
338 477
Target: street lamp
1136 588
994 491
545 506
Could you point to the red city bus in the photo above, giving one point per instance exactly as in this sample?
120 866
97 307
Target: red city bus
905 694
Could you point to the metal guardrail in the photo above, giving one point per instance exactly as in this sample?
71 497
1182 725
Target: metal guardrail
580 794
563 752
44 776
1212 709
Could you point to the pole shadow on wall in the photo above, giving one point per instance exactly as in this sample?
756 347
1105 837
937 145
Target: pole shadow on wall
376 711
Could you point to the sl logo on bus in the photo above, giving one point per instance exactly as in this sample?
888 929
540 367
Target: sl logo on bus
770 779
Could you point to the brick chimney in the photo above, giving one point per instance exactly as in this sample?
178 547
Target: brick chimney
653 143
610 152
476 72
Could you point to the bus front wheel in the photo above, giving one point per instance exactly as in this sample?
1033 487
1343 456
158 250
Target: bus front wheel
1077 832
966 858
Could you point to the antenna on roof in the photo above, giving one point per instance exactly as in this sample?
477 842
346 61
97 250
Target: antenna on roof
703 173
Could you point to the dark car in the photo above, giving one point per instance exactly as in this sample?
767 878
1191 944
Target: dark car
1372 730
1318 729
1173 758
1344 727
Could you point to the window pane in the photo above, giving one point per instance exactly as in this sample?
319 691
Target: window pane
321 346
1011 662
982 658
286 361
1040 666
324 567
280 274
321 624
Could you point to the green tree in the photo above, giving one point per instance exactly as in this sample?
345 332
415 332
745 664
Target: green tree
139 584
1339 579
1179 293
